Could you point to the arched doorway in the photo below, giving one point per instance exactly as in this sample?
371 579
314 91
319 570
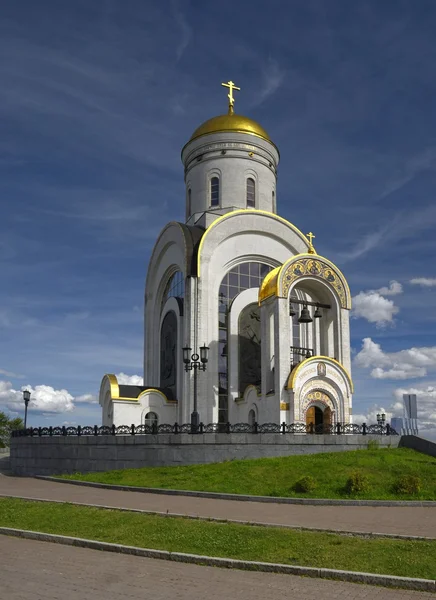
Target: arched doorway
315 416
318 411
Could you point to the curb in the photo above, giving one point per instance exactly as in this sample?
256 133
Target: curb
241 497
361 534
408 583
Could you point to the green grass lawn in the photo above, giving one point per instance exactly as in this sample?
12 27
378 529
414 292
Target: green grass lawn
245 542
277 476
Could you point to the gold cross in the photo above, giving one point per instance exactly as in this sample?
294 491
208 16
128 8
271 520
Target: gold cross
231 87
311 248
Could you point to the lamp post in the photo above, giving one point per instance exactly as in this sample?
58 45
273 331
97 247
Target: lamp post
26 398
196 362
381 419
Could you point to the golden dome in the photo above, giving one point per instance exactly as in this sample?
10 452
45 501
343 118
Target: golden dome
231 123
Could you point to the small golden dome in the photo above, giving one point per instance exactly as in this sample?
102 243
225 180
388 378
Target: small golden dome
231 123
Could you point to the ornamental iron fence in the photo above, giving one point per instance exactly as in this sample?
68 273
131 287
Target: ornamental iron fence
255 428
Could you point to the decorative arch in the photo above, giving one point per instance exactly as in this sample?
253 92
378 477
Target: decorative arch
310 265
318 397
279 281
294 373
300 237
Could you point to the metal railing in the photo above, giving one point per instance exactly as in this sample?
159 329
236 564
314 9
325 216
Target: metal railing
175 429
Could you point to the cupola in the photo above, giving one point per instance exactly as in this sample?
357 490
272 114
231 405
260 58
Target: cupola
230 163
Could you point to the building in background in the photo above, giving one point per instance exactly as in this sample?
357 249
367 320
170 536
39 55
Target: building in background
407 425
250 287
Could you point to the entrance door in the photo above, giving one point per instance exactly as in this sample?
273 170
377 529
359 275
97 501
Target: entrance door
310 415
314 415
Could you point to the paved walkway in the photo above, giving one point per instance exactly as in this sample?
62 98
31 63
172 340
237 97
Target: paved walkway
31 569
419 521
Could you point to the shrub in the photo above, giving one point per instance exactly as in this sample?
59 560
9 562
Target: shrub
305 484
408 484
373 445
357 483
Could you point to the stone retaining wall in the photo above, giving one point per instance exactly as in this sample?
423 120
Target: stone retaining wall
418 444
55 455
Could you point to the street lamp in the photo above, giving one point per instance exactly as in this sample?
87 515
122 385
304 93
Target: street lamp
26 398
196 362
381 419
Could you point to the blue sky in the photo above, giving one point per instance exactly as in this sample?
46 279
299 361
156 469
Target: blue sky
98 98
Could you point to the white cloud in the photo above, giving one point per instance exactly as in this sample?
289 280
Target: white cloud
405 372
124 379
394 289
43 398
272 78
11 374
185 29
374 308
424 281
405 364
87 399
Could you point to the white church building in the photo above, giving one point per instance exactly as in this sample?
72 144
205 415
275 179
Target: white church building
245 284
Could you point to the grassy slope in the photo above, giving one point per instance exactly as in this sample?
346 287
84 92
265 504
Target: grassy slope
385 556
277 476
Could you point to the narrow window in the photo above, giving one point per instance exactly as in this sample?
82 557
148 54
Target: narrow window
251 192
215 191
274 201
189 203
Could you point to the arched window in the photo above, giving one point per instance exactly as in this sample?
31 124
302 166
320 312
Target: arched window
242 277
249 347
168 352
150 418
251 417
273 195
251 193
215 191
175 287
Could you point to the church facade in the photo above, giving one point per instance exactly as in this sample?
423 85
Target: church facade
246 286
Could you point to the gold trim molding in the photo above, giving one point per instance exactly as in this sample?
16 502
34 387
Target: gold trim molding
279 281
247 211
293 375
115 391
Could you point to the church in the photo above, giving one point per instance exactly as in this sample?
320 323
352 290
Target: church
244 321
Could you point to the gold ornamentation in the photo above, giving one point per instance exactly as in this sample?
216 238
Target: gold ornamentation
294 373
115 391
231 87
231 123
308 267
284 405
311 248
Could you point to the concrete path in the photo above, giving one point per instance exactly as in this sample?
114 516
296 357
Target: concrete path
31 569
406 520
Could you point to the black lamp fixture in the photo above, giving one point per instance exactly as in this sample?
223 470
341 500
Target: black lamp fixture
305 315
197 363
381 419
26 398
